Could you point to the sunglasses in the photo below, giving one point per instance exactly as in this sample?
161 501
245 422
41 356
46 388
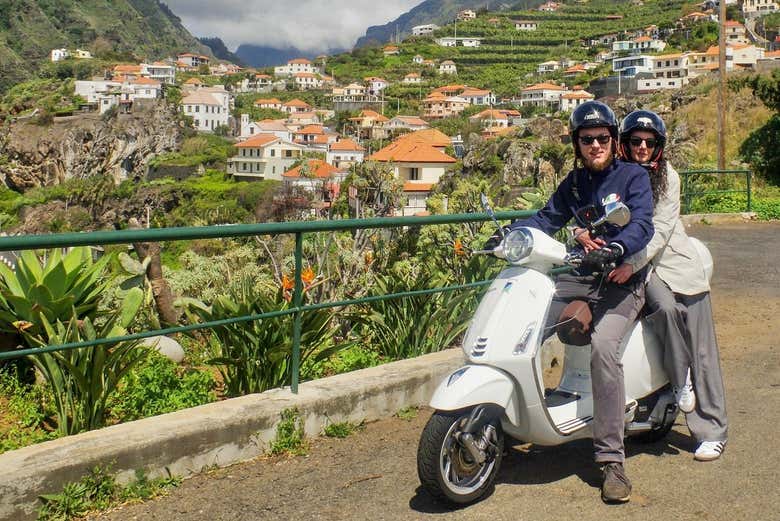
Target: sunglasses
637 141
602 139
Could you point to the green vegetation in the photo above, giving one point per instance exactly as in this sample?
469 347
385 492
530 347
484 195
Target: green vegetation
408 413
121 30
762 148
202 149
342 429
98 491
24 412
290 437
158 386
50 96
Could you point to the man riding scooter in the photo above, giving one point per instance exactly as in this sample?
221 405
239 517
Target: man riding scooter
599 178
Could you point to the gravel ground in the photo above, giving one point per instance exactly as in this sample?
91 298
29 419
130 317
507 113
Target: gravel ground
372 474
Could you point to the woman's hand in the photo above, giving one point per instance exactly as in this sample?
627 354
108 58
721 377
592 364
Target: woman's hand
582 235
622 273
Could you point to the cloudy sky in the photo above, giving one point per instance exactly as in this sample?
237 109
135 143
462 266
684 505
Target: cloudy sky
305 24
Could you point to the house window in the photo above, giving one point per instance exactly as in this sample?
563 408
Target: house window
414 174
273 152
197 108
243 152
243 167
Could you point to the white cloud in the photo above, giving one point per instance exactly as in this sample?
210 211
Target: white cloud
306 24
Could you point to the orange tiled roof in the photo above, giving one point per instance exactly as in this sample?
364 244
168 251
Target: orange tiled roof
732 23
317 168
262 76
412 120
303 61
260 140
304 75
346 145
409 151
429 136
489 114
644 39
581 94
296 103
145 81
268 101
311 129
474 92
544 86
132 69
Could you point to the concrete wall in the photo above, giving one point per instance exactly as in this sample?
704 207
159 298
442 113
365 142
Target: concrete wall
190 441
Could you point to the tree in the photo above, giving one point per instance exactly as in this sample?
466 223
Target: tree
762 148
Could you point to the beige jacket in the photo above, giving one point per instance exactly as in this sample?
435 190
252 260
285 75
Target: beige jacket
673 256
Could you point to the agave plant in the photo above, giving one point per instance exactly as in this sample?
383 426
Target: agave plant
256 356
83 379
54 287
406 327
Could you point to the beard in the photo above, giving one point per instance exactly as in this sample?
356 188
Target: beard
597 165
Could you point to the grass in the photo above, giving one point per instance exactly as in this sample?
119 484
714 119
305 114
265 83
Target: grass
290 435
99 491
342 429
408 413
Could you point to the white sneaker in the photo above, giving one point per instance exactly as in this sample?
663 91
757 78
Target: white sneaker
686 398
709 450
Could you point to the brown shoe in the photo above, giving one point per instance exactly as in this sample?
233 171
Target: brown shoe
616 487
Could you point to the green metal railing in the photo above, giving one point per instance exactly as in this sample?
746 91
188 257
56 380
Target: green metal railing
686 194
60 240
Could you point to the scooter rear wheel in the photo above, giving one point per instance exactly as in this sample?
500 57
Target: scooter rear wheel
446 468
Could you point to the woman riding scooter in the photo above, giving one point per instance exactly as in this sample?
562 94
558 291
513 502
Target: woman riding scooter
677 293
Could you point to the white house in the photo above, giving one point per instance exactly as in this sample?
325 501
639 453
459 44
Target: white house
264 156
419 162
542 95
59 54
295 66
423 30
735 31
448 67
275 127
295 105
451 41
574 98
478 96
412 78
159 71
122 90
375 85
412 123
268 103
643 44
753 8
491 118
466 14
548 66
206 109
526 25
192 61
344 153
632 65
418 59
307 80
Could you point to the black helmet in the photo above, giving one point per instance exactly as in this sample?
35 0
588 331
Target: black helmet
643 120
592 114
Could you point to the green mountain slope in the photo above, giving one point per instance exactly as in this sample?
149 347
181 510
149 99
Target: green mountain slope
507 59
437 12
29 29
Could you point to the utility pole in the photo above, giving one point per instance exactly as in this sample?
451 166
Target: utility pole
722 85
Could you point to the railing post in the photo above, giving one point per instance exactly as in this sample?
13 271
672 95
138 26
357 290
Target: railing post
749 202
685 198
297 303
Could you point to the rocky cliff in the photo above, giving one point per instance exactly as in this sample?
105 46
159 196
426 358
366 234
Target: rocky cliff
87 145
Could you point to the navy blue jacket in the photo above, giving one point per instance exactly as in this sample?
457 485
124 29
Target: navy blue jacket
627 181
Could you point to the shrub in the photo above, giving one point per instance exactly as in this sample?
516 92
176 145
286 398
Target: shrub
158 386
289 434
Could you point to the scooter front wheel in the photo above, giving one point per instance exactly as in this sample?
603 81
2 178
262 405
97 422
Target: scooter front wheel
447 468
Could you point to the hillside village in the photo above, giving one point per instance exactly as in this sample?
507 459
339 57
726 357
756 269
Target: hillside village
297 142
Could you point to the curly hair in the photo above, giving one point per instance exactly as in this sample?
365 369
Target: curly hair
658 181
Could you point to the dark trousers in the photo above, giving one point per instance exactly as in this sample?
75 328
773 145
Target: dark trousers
615 308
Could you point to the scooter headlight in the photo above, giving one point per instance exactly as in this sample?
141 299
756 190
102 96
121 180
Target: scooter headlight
518 245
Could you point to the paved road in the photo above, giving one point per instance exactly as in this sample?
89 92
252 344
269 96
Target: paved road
371 475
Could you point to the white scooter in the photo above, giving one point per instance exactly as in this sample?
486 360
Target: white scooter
501 390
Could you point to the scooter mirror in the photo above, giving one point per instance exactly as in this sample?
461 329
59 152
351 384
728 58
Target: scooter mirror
617 213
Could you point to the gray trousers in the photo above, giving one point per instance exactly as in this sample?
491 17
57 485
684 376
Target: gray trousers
685 326
614 307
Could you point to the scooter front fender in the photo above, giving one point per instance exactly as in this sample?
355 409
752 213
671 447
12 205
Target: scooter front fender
477 384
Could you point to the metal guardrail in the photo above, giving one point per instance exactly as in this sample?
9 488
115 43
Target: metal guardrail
60 240
686 195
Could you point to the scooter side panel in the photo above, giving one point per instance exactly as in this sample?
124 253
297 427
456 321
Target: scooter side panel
643 363
476 384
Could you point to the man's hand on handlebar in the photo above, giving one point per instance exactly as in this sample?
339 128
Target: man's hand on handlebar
601 259
589 243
